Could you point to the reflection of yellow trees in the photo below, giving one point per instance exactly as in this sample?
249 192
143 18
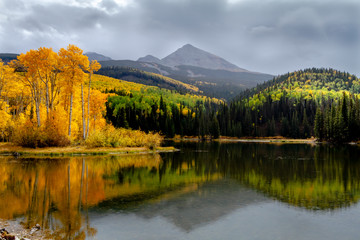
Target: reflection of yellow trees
56 193
52 192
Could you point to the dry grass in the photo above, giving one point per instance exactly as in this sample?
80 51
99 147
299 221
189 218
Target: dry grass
9 148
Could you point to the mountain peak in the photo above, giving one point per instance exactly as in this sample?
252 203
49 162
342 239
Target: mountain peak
189 55
193 56
149 58
188 46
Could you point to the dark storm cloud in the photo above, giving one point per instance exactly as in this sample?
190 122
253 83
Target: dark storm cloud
273 36
62 18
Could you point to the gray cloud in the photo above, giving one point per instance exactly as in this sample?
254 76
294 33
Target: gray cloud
273 36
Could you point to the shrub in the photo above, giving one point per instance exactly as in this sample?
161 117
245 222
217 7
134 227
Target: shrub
96 139
112 137
54 136
29 135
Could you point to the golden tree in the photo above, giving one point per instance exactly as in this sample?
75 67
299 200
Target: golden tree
94 67
73 63
30 61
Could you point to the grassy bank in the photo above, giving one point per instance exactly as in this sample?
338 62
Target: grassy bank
11 149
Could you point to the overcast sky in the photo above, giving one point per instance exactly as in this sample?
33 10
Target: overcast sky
270 36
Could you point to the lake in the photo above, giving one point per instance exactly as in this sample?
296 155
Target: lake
205 191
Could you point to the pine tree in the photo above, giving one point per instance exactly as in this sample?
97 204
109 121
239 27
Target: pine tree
319 125
215 128
285 126
271 127
306 127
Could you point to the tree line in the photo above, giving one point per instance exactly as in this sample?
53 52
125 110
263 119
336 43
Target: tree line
164 116
338 121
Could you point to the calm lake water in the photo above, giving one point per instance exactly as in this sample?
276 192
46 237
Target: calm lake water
205 191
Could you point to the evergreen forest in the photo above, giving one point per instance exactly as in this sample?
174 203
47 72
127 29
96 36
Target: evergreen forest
313 102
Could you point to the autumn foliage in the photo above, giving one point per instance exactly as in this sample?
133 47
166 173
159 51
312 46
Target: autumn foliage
46 98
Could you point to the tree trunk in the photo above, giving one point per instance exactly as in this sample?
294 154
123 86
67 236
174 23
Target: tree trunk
68 229
88 109
37 105
70 115
47 99
83 111
94 121
81 182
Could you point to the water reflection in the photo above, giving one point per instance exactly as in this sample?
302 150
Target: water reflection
202 204
193 187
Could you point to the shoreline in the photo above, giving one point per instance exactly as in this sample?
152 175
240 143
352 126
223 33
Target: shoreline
16 230
8 149
247 140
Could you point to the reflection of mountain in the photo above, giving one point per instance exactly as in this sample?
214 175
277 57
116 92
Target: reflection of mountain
207 203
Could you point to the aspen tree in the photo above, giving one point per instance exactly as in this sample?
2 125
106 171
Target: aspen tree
72 64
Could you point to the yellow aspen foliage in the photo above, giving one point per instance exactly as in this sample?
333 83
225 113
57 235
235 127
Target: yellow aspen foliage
73 64
97 102
4 119
185 111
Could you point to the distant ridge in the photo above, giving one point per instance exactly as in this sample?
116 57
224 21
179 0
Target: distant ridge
97 56
7 57
150 59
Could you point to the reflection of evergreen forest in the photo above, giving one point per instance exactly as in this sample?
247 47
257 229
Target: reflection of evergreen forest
314 177
58 193
320 177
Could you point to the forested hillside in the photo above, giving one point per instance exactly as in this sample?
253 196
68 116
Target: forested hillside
147 78
7 57
288 104
313 102
137 106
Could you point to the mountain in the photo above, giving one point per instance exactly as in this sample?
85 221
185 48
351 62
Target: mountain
189 55
221 84
97 56
214 76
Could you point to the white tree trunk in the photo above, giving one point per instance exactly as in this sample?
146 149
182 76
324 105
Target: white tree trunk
83 111
88 109
70 115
